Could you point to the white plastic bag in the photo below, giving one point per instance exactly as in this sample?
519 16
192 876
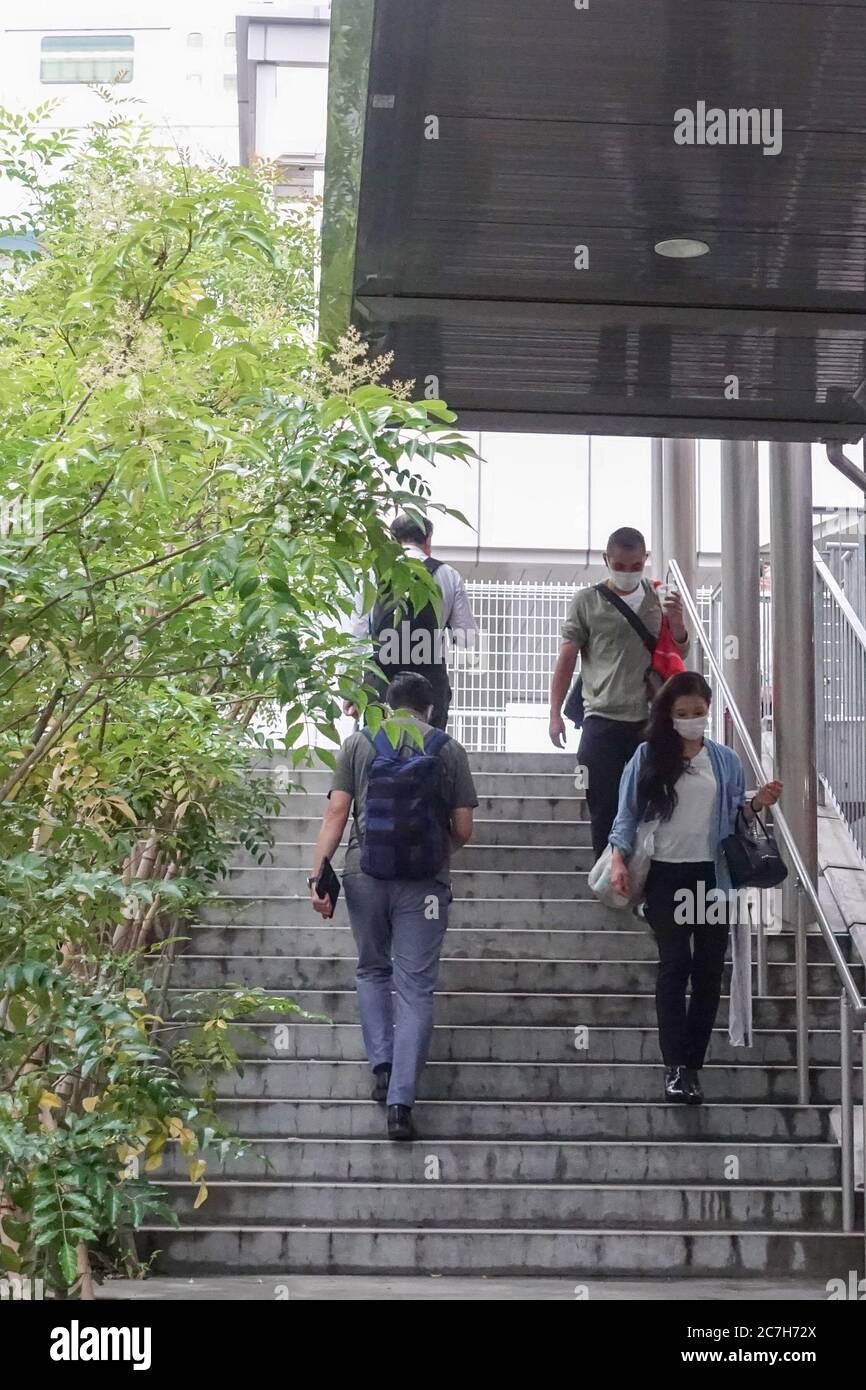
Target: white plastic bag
599 881
638 870
641 858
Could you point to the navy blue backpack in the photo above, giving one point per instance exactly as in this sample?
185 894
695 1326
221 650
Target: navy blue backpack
406 822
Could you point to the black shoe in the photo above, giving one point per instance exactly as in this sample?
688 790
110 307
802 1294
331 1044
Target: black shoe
400 1122
381 1082
675 1084
692 1086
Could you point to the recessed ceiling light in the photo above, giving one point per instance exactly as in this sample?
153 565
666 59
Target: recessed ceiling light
681 248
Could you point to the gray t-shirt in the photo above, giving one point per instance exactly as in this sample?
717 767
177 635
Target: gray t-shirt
350 775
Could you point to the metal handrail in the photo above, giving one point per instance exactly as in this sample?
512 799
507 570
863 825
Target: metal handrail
837 593
852 1010
779 821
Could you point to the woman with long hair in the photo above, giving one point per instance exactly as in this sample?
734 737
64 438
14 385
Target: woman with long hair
692 788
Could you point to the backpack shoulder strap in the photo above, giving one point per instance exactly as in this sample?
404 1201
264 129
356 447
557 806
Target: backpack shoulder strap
433 565
381 743
631 617
435 741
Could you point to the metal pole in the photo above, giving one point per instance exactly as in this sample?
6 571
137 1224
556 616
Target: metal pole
794 647
679 515
801 972
657 522
741 599
763 962
740 645
846 1062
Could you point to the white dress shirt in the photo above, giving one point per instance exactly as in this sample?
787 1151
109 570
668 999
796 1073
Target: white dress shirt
456 612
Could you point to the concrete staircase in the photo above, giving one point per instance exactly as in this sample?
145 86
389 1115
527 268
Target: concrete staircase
545 1143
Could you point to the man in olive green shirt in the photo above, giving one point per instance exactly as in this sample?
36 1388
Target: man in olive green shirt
613 664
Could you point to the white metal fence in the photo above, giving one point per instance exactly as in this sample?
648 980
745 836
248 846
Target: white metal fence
501 702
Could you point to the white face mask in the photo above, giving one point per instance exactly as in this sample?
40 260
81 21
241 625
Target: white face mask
691 728
625 580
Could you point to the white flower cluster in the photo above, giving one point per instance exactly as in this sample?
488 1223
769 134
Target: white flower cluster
132 347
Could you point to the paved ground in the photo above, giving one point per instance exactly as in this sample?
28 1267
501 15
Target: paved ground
346 1288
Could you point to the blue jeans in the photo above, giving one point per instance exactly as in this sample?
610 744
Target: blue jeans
399 926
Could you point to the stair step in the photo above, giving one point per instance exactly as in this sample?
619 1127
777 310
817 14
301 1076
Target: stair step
379 1160
545 763
476 857
657 1120
546 785
301 828
473 1205
588 1081
287 910
343 1042
339 1250
277 881
505 807
504 943
544 976
557 1010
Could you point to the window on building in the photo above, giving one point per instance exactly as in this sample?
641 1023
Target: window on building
194 41
87 58
230 39
193 79
230 81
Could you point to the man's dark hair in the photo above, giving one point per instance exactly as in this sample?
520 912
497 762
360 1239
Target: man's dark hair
408 531
408 690
628 538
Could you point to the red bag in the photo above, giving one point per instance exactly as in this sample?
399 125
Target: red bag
666 660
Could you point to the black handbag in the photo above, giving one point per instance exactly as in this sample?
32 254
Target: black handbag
753 859
573 708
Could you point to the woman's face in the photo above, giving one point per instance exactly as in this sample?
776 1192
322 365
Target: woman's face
689 707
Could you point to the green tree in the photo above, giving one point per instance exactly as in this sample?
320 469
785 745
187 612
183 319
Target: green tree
191 495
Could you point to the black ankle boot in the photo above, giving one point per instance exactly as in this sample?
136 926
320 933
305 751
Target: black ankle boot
381 1082
692 1086
400 1122
675 1084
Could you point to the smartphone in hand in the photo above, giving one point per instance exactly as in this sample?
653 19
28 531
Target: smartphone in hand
328 885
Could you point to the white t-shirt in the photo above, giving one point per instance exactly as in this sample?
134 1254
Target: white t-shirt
634 599
685 838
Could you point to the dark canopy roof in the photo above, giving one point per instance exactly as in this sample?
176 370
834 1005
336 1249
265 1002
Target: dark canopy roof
452 241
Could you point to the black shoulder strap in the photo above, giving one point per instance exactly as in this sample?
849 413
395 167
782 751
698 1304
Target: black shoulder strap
630 616
432 566
435 740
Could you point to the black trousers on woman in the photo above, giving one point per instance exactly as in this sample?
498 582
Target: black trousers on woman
694 951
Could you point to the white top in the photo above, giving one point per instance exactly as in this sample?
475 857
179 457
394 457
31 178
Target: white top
685 838
634 599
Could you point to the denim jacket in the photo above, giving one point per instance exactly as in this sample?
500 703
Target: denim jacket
730 796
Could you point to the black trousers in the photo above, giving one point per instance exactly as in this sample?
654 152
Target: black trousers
691 950
377 686
606 745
